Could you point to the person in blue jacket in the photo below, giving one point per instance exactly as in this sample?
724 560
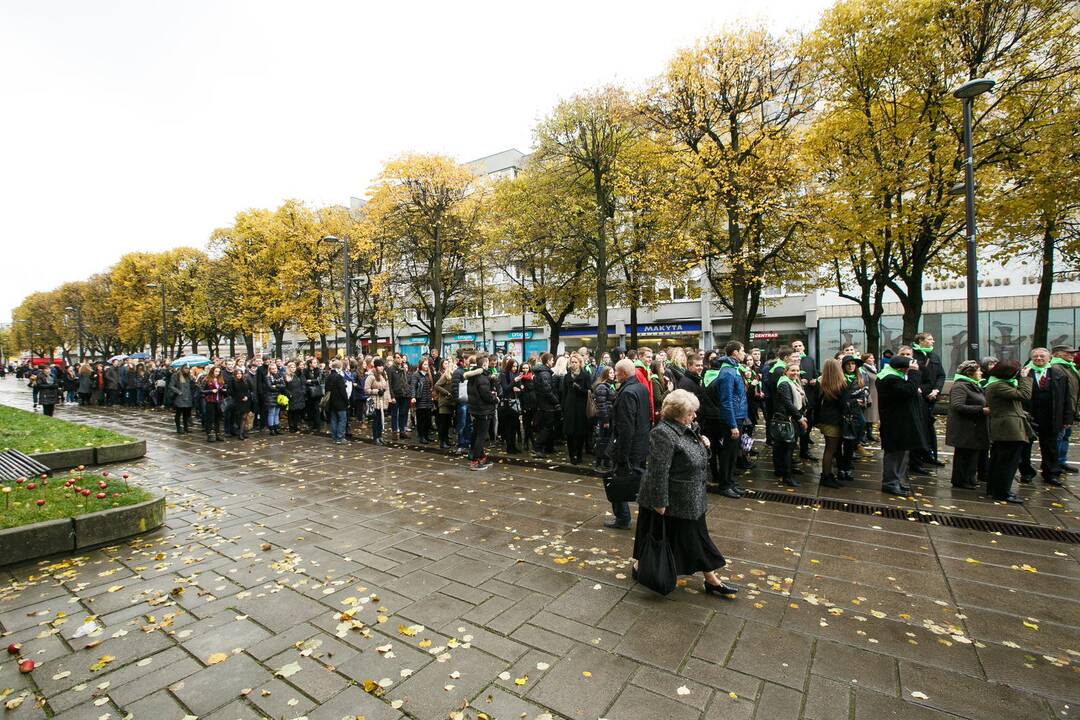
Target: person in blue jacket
729 392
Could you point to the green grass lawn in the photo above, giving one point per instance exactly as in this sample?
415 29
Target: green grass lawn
33 433
18 501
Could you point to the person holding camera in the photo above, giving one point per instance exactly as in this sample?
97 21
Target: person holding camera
377 390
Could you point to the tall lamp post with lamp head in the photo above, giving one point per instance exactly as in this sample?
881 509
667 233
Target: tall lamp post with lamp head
967 94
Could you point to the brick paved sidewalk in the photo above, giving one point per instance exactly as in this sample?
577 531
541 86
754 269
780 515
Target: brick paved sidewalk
300 579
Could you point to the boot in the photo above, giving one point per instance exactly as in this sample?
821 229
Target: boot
829 480
218 438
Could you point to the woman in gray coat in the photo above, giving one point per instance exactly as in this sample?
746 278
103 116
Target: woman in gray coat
1008 391
180 392
672 494
968 426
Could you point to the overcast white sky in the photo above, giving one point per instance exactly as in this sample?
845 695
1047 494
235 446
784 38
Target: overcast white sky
144 125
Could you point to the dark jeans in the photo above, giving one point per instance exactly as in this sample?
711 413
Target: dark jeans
929 436
423 423
376 424
528 426
399 415
184 413
295 416
479 437
1004 460
47 409
781 458
575 447
727 455
545 431
714 431
463 423
1048 446
212 419
314 414
603 444
444 422
967 465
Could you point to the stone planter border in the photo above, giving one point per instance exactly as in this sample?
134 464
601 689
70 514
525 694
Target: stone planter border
101 455
29 542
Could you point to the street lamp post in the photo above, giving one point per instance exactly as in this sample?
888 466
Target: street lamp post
78 325
967 93
344 242
164 322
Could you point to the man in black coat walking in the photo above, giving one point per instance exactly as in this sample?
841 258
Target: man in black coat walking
630 443
338 405
1051 408
930 379
808 375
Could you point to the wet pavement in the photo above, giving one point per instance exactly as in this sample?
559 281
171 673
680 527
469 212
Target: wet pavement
296 578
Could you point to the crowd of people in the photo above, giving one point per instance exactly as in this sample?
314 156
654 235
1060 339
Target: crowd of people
663 428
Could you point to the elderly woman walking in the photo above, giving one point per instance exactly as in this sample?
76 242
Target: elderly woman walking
1008 391
672 494
968 427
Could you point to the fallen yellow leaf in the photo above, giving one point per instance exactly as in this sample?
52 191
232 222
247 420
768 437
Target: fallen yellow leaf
216 658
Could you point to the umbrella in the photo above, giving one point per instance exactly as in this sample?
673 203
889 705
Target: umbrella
139 356
118 357
190 361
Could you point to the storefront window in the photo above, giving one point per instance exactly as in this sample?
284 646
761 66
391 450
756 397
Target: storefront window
892 328
852 332
828 337
952 345
1062 328
1005 335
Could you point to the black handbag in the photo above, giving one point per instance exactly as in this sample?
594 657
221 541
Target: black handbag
781 430
656 563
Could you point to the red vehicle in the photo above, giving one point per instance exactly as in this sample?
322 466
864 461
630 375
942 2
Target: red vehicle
41 362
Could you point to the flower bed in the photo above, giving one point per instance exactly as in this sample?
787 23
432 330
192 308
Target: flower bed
35 500
32 434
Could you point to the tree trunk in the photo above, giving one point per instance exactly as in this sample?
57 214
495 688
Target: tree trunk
633 325
912 301
323 348
232 344
601 271
195 344
279 337
249 343
1046 286
740 323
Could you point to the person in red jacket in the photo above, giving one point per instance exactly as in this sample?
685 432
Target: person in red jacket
642 360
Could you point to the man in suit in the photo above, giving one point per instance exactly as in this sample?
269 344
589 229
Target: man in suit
1051 409
630 425
930 379
1063 358
808 375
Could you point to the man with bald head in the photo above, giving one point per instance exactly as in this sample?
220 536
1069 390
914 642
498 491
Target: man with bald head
630 443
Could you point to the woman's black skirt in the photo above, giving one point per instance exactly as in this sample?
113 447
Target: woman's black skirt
691 545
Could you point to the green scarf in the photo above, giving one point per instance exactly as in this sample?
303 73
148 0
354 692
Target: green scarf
890 371
802 355
992 380
923 350
783 379
964 378
777 364
1067 363
850 377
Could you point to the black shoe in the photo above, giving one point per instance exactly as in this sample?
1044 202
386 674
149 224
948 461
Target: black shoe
730 492
1069 469
829 480
920 470
739 489
725 591
796 471
1026 479
807 456
893 490
1011 499
789 482
906 489
967 486
935 461
616 525
1053 481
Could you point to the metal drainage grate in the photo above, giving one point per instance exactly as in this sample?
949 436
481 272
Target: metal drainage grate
1014 529
14 465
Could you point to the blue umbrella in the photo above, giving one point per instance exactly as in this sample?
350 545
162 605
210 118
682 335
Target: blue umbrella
191 361
139 356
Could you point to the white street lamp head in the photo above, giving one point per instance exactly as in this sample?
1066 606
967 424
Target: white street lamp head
971 88
69 307
331 238
152 286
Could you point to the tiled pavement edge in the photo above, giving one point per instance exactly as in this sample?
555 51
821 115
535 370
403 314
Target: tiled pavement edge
291 573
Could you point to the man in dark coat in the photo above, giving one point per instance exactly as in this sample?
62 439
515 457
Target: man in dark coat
900 416
930 379
1051 409
397 374
1063 358
630 443
338 404
482 402
547 406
